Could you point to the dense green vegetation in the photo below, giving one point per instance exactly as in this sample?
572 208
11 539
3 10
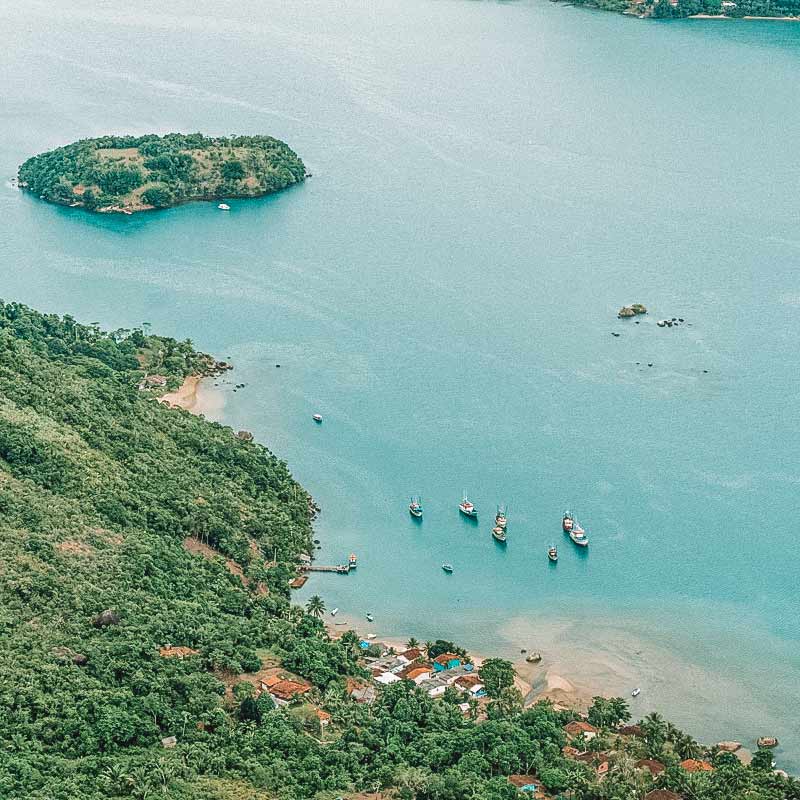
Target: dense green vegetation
100 486
133 173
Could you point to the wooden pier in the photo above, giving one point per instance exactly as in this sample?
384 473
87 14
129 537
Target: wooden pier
342 569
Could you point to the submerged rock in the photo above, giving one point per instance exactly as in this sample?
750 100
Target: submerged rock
626 311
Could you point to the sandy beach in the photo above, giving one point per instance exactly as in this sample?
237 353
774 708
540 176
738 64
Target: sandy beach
194 395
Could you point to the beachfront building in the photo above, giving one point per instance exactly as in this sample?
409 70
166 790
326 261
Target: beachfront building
412 654
471 684
388 663
417 673
446 661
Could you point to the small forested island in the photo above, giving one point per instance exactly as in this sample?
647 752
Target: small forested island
149 646
717 9
127 174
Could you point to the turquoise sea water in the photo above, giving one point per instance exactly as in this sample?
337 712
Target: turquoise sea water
491 182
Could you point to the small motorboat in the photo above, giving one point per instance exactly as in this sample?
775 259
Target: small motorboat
334 612
352 561
567 522
636 692
500 518
467 508
372 636
316 417
552 553
447 568
224 207
415 507
370 618
534 658
499 534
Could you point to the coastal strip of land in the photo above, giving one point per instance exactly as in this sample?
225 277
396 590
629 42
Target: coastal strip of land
196 396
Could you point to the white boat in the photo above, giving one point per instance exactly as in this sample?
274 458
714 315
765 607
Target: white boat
578 535
447 567
224 207
636 692
467 508
370 618
372 636
334 612
415 507
316 417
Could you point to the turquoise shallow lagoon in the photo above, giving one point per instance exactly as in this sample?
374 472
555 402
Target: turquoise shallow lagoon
492 181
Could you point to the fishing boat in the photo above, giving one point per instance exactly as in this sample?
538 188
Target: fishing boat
567 522
552 553
636 692
353 561
370 617
334 612
224 207
500 518
467 508
316 417
415 507
534 658
578 535
447 567
499 534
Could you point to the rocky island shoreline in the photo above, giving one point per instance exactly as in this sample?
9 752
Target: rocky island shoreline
129 174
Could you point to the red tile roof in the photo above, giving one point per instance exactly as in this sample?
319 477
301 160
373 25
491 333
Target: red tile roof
286 690
446 658
412 654
468 681
578 727
653 766
694 765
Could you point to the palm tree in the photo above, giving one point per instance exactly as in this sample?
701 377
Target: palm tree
428 646
315 606
412 643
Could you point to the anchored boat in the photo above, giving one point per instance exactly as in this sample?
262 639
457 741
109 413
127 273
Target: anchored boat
370 617
447 567
500 518
415 507
552 553
353 561
567 522
467 508
316 417
499 534
578 535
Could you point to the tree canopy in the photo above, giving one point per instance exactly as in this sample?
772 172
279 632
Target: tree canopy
135 173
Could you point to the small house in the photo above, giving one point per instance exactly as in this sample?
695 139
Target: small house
323 716
695 765
416 673
446 661
578 728
283 692
471 684
655 768
385 678
412 654
527 783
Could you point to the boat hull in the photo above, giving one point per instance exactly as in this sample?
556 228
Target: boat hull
468 512
415 512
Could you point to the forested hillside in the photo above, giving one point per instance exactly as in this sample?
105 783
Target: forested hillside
120 628
136 173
